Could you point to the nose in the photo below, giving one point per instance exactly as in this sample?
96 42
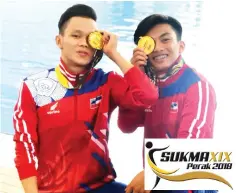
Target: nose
159 46
83 42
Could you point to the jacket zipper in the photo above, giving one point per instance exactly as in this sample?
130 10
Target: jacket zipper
159 91
75 105
78 86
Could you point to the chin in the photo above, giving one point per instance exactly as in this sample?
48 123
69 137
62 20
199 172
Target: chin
161 66
82 62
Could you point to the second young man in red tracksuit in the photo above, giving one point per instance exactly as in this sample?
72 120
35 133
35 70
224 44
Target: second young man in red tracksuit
187 102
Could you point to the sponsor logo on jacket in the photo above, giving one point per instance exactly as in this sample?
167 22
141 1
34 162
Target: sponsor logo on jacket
53 110
148 109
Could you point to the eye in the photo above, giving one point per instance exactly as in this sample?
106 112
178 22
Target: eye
165 40
76 36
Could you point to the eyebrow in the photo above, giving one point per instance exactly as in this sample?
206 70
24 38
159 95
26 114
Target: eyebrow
77 31
80 32
164 34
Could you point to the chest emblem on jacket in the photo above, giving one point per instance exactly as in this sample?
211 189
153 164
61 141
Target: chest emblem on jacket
45 86
53 109
148 110
94 102
174 107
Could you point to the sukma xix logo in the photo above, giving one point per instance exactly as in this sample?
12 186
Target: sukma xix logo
209 161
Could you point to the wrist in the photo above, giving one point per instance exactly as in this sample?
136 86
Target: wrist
114 55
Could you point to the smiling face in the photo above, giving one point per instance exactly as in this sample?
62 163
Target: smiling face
73 41
167 49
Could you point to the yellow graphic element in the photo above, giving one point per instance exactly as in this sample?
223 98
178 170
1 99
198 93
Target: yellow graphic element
186 176
221 154
159 170
147 43
95 40
61 78
227 156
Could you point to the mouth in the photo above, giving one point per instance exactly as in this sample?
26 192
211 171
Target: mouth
83 53
160 57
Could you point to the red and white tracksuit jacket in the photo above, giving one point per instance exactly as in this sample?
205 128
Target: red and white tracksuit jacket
185 109
61 133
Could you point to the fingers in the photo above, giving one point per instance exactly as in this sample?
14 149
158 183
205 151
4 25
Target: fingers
138 190
107 36
132 188
139 52
137 49
147 191
139 57
129 189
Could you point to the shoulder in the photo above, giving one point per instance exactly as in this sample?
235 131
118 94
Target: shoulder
47 77
201 87
44 87
191 76
42 81
202 80
186 79
47 73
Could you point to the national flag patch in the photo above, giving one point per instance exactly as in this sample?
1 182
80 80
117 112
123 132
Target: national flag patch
94 102
174 107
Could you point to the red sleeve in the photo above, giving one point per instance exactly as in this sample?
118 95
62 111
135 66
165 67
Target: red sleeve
198 114
25 137
130 120
134 90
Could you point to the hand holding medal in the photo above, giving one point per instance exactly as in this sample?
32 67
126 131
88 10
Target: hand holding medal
145 46
105 41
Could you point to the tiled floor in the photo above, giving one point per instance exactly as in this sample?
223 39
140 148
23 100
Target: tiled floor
9 181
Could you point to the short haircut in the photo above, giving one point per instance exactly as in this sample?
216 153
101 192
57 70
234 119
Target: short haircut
155 19
78 10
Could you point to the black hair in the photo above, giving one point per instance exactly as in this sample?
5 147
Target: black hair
78 10
155 19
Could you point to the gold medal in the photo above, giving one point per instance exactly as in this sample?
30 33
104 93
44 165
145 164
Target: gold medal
95 40
147 43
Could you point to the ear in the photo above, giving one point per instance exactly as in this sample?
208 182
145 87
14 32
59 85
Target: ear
58 40
181 47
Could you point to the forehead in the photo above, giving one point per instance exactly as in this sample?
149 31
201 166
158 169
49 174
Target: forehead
161 29
83 24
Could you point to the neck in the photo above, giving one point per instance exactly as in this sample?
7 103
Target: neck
71 67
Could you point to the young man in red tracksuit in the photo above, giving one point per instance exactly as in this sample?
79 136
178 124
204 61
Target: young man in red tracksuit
186 104
62 114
